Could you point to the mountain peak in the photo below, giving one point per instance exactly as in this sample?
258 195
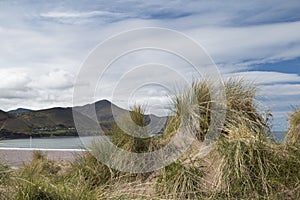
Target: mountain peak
20 111
103 101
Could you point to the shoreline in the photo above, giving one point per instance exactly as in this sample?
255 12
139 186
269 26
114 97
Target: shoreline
16 157
12 135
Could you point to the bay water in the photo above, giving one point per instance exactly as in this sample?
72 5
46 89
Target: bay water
70 142
47 143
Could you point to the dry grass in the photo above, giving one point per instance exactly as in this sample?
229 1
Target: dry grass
293 135
245 163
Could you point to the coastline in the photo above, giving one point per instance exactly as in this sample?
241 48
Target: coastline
16 157
11 135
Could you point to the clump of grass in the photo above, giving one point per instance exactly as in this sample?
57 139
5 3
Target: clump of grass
243 155
287 181
5 174
137 115
253 166
178 181
245 164
90 172
46 166
196 102
295 118
293 136
33 180
290 169
42 187
242 107
38 156
129 142
39 180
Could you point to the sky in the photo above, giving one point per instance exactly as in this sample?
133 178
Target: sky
45 43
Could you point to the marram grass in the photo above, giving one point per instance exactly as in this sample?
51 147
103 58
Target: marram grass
293 135
245 163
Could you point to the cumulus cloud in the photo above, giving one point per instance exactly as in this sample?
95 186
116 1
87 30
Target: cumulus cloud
19 89
13 79
57 79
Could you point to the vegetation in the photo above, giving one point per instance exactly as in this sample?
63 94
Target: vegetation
245 162
53 121
293 135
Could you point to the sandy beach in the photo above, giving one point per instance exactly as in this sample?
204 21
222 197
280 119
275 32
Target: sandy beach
16 157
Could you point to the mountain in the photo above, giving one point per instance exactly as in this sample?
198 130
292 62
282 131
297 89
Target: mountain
19 111
3 115
22 123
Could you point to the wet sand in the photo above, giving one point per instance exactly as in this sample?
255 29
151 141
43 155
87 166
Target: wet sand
17 157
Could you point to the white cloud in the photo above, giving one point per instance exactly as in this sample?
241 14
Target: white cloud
37 40
77 14
13 78
266 77
57 79
261 43
75 17
18 95
281 90
19 89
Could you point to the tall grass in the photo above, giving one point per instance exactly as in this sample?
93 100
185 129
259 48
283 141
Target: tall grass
5 173
242 122
291 164
178 181
245 162
129 142
293 135
39 179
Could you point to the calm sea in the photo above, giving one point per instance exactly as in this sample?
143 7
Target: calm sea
69 142
47 143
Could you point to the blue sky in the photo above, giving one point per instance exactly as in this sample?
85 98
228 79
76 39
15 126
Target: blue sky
43 44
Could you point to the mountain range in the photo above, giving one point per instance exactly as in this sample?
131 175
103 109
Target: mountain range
58 121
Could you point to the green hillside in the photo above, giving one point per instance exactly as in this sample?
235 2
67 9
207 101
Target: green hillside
53 121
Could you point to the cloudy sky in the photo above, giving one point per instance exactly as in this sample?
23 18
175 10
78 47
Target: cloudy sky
44 43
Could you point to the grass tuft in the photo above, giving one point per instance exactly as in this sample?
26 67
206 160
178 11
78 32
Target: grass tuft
178 181
292 138
245 162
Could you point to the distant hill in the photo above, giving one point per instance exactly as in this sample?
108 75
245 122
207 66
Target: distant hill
19 111
22 123
3 115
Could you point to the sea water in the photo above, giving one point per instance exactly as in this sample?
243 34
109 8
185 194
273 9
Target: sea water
71 142
47 143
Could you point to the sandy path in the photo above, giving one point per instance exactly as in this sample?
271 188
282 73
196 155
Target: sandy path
16 157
